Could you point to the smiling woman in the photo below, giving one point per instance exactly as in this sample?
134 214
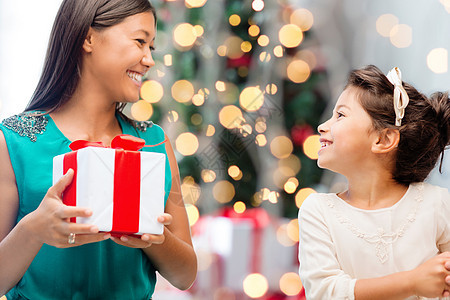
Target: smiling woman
98 52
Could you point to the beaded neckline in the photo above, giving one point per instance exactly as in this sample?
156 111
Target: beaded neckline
28 124
380 239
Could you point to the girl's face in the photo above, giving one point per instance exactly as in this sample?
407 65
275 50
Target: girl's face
119 56
346 138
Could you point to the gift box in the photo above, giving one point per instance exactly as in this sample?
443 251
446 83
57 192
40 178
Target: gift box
239 245
122 186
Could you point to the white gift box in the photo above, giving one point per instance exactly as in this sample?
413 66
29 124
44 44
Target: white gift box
107 185
243 249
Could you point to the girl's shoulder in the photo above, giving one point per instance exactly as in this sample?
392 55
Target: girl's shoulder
317 202
435 194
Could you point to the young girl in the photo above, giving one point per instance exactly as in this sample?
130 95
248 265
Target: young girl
98 52
386 237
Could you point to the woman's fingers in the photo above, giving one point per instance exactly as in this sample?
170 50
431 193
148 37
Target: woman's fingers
65 212
82 239
58 188
145 241
165 219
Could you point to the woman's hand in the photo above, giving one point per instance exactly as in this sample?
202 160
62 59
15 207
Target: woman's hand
146 240
50 222
432 278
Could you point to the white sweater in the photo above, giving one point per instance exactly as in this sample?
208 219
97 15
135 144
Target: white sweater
340 243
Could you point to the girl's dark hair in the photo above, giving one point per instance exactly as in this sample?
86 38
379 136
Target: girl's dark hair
424 131
61 71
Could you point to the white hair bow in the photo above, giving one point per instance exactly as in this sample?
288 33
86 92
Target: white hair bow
401 98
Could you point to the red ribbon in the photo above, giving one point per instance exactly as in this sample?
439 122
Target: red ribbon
127 172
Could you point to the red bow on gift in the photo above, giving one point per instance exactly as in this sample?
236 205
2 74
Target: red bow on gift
122 141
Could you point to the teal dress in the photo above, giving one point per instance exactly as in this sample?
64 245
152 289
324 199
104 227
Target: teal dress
103 270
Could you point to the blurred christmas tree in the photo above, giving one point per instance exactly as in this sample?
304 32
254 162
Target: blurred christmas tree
239 87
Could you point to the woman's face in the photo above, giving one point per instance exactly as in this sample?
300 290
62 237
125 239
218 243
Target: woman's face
118 56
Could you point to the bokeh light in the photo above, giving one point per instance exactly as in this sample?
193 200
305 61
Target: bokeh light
255 285
311 146
290 35
195 3
251 98
293 230
187 143
385 23
234 20
290 284
302 195
307 56
271 89
260 126
233 47
192 213
263 40
261 140
190 190
254 30
303 18
184 35
437 60
210 130
292 163
401 36
446 4
282 236
182 91
198 100
199 30
264 56
234 171
141 110
230 117
208 175
273 197
196 119
223 191
298 71
222 50
246 46
168 60
281 147
258 5
152 91
239 207
278 51
291 185
172 116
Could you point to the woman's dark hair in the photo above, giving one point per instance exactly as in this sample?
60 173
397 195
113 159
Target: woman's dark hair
424 131
61 71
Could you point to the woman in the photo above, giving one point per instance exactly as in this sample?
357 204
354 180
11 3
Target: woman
98 52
